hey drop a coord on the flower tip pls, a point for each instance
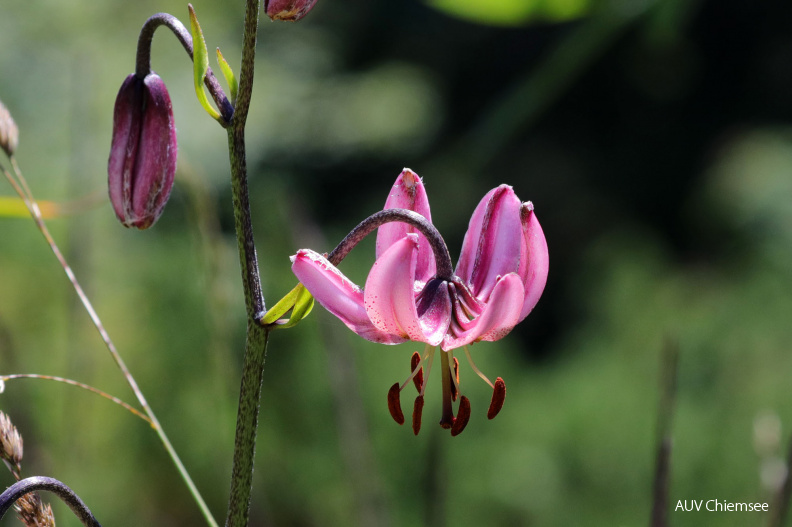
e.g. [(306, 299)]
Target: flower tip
[(410, 179), (528, 206)]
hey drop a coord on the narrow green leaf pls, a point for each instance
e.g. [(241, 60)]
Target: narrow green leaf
[(283, 306), (298, 300), (302, 307), (200, 64), (228, 74)]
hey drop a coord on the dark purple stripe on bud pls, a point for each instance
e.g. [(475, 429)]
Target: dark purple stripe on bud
[(143, 152)]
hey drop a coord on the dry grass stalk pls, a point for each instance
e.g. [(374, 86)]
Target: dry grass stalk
[(30, 509), (9, 134), (10, 445), (33, 512)]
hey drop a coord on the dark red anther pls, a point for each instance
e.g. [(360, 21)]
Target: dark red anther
[(463, 416), (394, 406), (455, 385), (418, 379), (498, 396), (417, 411)]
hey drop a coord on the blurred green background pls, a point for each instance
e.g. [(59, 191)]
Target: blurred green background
[(654, 138)]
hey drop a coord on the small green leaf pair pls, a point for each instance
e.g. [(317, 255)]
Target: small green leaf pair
[(201, 66), (299, 300)]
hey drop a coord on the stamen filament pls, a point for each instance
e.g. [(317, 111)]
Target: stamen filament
[(475, 369), (430, 350), (454, 365), (428, 353)]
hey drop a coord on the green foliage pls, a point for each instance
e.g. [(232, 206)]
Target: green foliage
[(201, 65), (513, 12)]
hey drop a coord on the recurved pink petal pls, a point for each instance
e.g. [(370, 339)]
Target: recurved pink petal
[(492, 243), (337, 294), (534, 259), (500, 315), (390, 296), (408, 193)]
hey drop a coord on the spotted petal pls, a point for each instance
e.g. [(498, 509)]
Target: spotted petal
[(408, 193), (337, 294), (390, 296)]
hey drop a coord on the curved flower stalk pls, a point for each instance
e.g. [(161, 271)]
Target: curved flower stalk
[(24, 487), (498, 280)]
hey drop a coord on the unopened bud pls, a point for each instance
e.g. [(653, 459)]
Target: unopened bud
[(290, 10), (9, 133), (143, 152)]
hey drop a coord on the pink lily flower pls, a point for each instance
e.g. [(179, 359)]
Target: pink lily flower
[(498, 280)]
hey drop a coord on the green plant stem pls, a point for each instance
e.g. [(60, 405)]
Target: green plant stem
[(257, 336), (247, 424)]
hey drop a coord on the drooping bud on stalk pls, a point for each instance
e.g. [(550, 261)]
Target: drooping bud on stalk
[(9, 134), (290, 10), (143, 152)]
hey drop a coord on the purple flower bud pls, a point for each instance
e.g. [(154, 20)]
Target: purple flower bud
[(291, 10), (143, 153)]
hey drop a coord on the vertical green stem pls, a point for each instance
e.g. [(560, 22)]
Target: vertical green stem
[(247, 424), (257, 336)]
